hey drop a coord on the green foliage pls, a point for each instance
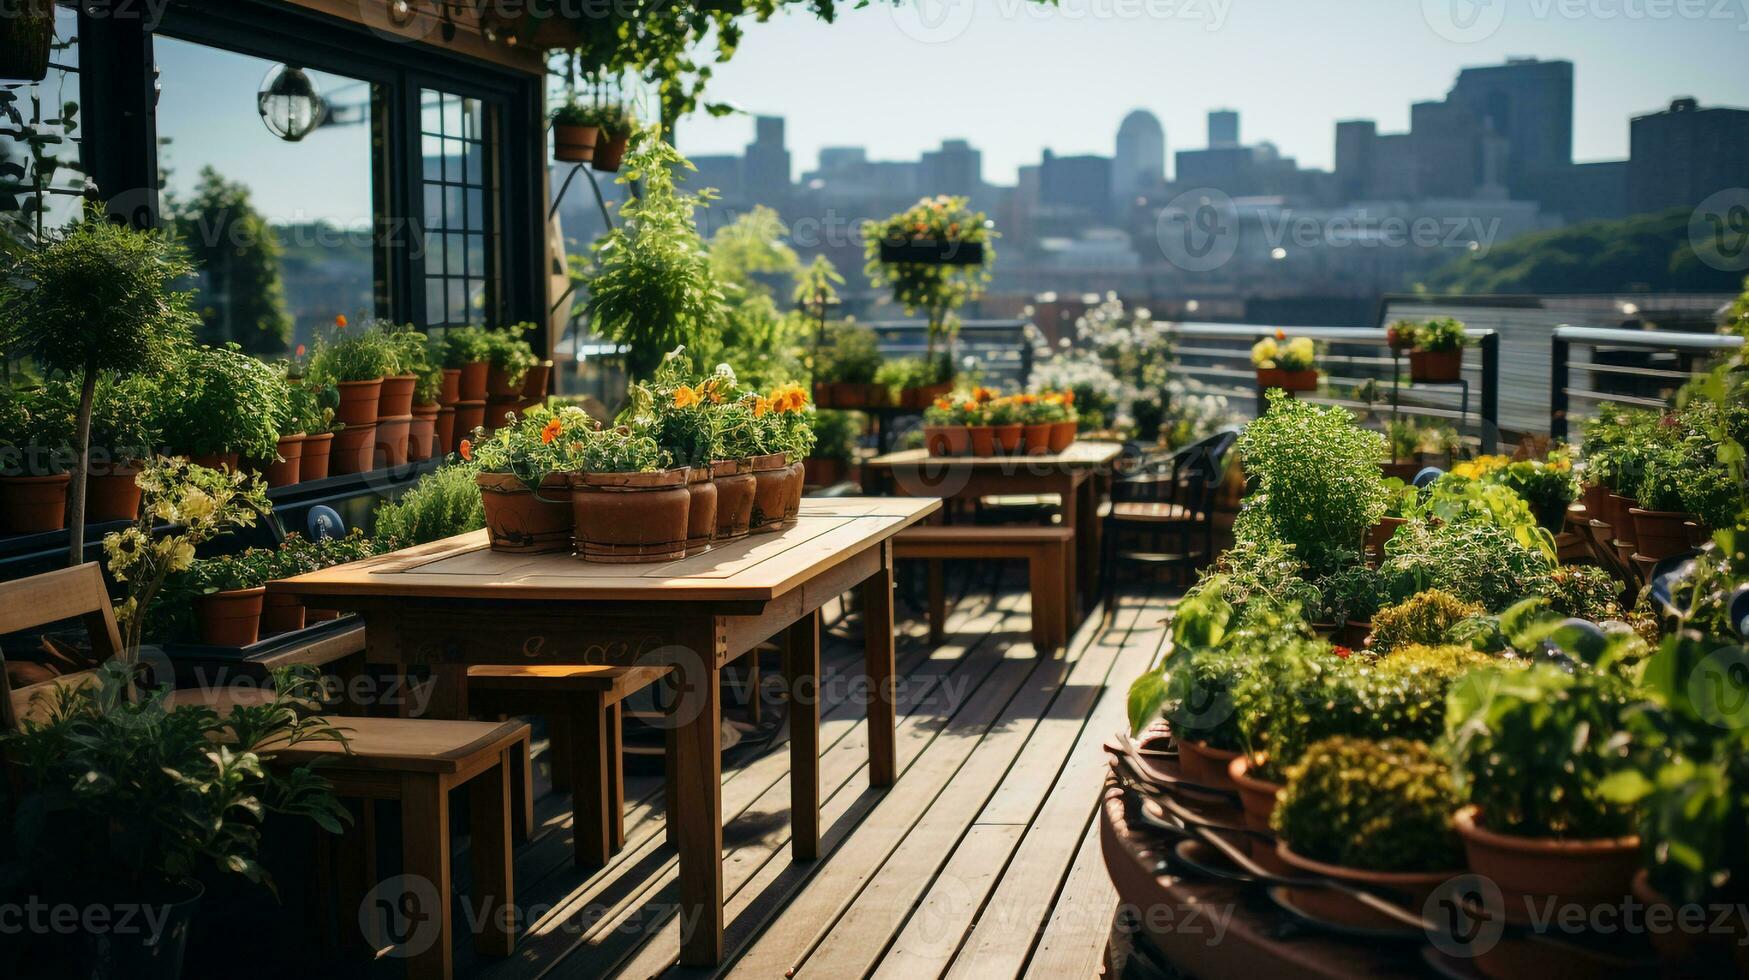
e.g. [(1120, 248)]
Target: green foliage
[(133, 793), (444, 503), (221, 400), (653, 288), (470, 344), (1423, 618), (1459, 499), (1261, 577), (1409, 437), (750, 246), (573, 113), (676, 409), (1317, 479), (1548, 488), (1353, 593), (354, 354), (1435, 335), (509, 352), (836, 434), (1614, 445), (1475, 561), (1533, 747), (237, 255), (542, 442), (816, 287), (1375, 805), (1584, 591), (850, 353), (36, 432), (623, 449), (935, 289), (409, 348), (914, 372)]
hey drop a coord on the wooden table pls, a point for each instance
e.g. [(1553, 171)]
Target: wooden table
[(1079, 476), (454, 603)]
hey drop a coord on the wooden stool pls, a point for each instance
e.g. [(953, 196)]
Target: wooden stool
[(1046, 550)]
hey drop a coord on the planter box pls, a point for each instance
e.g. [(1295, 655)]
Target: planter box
[(1287, 380), (932, 252)]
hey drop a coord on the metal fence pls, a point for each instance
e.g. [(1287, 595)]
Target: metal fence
[(997, 351), (1642, 368)]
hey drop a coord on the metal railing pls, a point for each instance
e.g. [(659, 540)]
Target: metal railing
[(996, 349), (1216, 359), (1641, 368)]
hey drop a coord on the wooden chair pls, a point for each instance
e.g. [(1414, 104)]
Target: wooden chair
[(1166, 508), (412, 761), (1045, 550)]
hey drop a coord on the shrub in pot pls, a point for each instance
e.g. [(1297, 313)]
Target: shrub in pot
[(1290, 365), (934, 256), (779, 417), (466, 350), (521, 470), (1436, 348), (35, 455), (409, 351), (631, 505), (133, 801), (1375, 814), (355, 361), (422, 435), (1661, 520), (227, 593), (574, 132), (123, 432), (312, 414), (508, 362), (227, 406), (1423, 618), (1548, 487), (845, 364), (441, 504), (1058, 408)]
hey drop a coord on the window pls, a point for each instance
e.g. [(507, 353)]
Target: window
[(458, 149)]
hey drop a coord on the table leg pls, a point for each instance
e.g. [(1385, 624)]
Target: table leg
[(1069, 492), (877, 647), (589, 789), (448, 693), (616, 777), (801, 675), (489, 812), (699, 801), (1087, 538), (425, 856)]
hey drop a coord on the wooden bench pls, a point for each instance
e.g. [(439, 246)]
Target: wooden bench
[(1046, 550)]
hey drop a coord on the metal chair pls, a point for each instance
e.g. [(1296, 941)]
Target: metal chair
[(1166, 508)]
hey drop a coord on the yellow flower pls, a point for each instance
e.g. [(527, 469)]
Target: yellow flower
[(760, 407), (685, 397)]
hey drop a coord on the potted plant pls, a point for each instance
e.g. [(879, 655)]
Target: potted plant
[(676, 410), (1290, 365), (422, 440), (740, 438), (616, 124), (913, 382), (355, 362), (944, 428), (574, 132), (979, 432), (35, 455), (1548, 487), (771, 469), (227, 407), (1004, 418), (834, 454), (1436, 352), (1036, 418), (522, 473), (467, 351), (1059, 407), (1376, 814), (845, 364), (227, 593), (507, 369), (284, 612), (1424, 618), (92, 300), (26, 36), (124, 432), (312, 414), (935, 255), (794, 436), (631, 505)]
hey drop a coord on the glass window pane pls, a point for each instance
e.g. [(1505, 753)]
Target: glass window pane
[(455, 254), (433, 206), (459, 312), (455, 217), (432, 149), (476, 255), (433, 254), (434, 295)]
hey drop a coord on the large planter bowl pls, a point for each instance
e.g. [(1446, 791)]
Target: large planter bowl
[(521, 521), (1660, 534), (574, 144), (701, 513), (1257, 799), (231, 618), (1008, 437), (736, 488), (626, 518), (1037, 439), (770, 494), (1306, 380), (983, 439), (317, 451), (471, 385), (358, 402), (1584, 873), (1438, 366), (1328, 905), (33, 504), (113, 495), (1062, 435), (792, 501), (1206, 765), (287, 468), (396, 398)]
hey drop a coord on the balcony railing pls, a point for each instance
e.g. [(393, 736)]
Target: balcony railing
[(1641, 368)]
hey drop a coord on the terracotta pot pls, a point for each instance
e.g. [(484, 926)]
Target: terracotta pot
[(1586, 873), (1062, 436), (924, 396), (1038, 439), (959, 440), (625, 518), (445, 431), (391, 441), (1378, 534), (935, 440), (231, 618), (1288, 380), (1621, 516), (1206, 765), (1437, 366), (422, 433), (498, 386), (471, 386), (1257, 799), (287, 469), (983, 440), (1412, 889), (33, 504), (358, 402), (736, 489), (501, 411), (314, 464), (1661, 533), (469, 415), (574, 144), (610, 149), (396, 398), (771, 477), (701, 512), (353, 449), (1595, 497), (281, 612), (1008, 437), (113, 496), (520, 521), (451, 392), (792, 504), (534, 384)]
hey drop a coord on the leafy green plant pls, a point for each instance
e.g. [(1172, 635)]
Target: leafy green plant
[(1584, 591), (1423, 618), (1439, 334), (1475, 561), (1409, 437), (356, 354), (1376, 805), (1548, 487), (36, 433), (461, 346), (938, 290), (1259, 577), (678, 411), (623, 449), (1318, 485), (245, 569), (1615, 445), (836, 434), (542, 442), (224, 401), (1532, 749), (1353, 593), (573, 113), (1278, 352), (510, 353), (442, 504)]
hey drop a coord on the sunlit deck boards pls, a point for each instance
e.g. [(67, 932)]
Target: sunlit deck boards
[(978, 863)]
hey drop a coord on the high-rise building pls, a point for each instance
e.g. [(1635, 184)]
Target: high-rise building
[(1447, 141), (1139, 165), (1354, 149), (1686, 153), (765, 174), (955, 169), (1223, 129), (1076, 182), (1530, 103)]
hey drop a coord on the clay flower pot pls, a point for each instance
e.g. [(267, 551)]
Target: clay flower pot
[(472, 385), (610, 149), (736, 488), (391, 441), (935, 439), (1062, 436), (1661, 534), (520, 521), (1038, 439), (358, 402), (771, 492), (1288, 380), (288, 467), (623, 518), (445, 432), (1378, 534), (534, 384), (113, 495), (422, 434), (959, 440), (983, 440), (216, 461), (231, 618), (792, 504), (33, 504), (1257, 799), (501, 411), (396, 397), (498, 386), (469, 415), (353, 449), (1436, 365), (1595, 497), (701, 513), (574, 144), (314, 464), (1008, 437), (1412, 890), (1587, 873), (1206, 765), (451, 391), (281, 612), (1621, 516)]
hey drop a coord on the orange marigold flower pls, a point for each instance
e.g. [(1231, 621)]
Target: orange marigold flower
[(300, 351), (467, 450), (340, 320), (551, 432), (685, 397), (943, 404), (1280, 334)]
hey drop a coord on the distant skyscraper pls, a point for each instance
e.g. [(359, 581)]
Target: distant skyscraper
[(1354, 146), (1530, 103), (1223, 129), (1139, 165), (765, 168), (956, 169), (1076, 182), (1686, 153)]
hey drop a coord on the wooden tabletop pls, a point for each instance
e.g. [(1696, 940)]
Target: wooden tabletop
[(757, 568), (1079, 454)]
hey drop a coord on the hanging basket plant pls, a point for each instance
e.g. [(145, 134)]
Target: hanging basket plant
[(27, 33), (616, 123), (575, 131), (935, 255)]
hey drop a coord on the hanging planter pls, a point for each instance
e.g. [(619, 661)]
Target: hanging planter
[(932, 251), (27, 35), (1436, 366), (610, 152)]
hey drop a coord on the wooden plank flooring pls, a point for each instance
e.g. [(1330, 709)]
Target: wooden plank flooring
[(981, 862)]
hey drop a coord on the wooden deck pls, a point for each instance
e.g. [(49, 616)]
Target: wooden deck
[(983, 861)]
